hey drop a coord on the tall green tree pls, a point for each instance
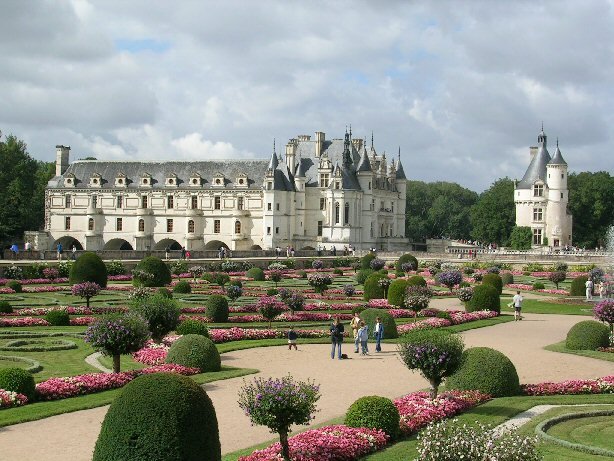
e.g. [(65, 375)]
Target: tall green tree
[(438, 209), (494, 215), (521, 238), (22, 187), (591, 202)]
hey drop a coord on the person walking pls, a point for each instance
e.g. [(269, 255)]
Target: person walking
[(363, 335), (336, 337), (589, 289), (166, 252), (73, 252), (517, 301), (59, 250), (292, 337), (183, 252), (14, 250), (355, 325), (379, 334)]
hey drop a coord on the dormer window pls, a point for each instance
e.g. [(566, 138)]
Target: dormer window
[(324, 179), (195, 180), (69, 180), (538, 190), (146, 180), (241, 180), (121, 180), (218, 180), (95, 180), (171, 180)]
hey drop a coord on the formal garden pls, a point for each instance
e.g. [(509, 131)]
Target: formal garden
[(84, 334)]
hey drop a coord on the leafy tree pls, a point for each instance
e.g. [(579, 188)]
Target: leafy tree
[(557, 277), (86, 290), (521, 238), (160, 312), (269, 307), (494, 215), (591, 202)]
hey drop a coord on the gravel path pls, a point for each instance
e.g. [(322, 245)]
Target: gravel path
[(341, 382)]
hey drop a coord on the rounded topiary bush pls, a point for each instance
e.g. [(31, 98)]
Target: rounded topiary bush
[(193, 327), (160, 417), (486, 370), (372, 288), (494, 280), (151, 272), (183, 287), (5, 307), (578, 286), (406, 258), (165, 292), (363, 275), (365, 261), (195, 351), (588, 335), (15, 286), (374, 412), (390, 326), (216, 308), (485, 297), (256, 273), (18, 380), (396, 292), (88, 268), (507, 278), (58, 317), (416, 280), (538, 286)]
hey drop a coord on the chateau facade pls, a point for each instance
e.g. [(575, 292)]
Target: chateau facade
[(542, 196), (325, 192)]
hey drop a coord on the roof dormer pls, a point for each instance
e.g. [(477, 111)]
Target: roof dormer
[(171, 180), (70, 180), (196, 180), (218, 180), (95, 180), (121, 180), (241, 180), (146, 180)]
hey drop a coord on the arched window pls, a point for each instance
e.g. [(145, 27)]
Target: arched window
[(237, 227), (141, 225), (190, 226), (346, 213), (337, 213), (90, 224)]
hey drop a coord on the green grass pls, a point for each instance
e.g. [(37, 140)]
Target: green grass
[(597, 431), (560, 347), (536, 306), (40, 410)]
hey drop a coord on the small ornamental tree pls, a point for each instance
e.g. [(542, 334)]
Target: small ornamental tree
[(465, 294), (161, 314), (196, 271), (295, 301), (117, 334), (269, 307), (349, 290), (417, 298), (436, 353), (278, 404), (557, 277), (220, 278), (275, 276), (86, 290), (450, 278), (604, 311), (51, 273), (319, 282), (377, 264), (234, 292)]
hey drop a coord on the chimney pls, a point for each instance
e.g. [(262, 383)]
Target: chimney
[(290, 154), (533, 151), (319, 143), (357, 143), (61, 159)]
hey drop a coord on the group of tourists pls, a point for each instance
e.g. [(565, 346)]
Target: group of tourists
[(360, 331), (590, 289)]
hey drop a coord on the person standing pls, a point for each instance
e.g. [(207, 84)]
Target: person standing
[(292, 337), (517, 301), (14, 250), (60, 250), (166, 252), (73, 252), (355, 325), (589, 289), (28, 249), (336, 337), (363, 335), (183, 251), (379, 334)]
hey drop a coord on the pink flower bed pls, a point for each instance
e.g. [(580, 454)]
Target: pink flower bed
[(72, 310), (45, 289), (9, 399), (330, 443), (62, 388), (458, 317), (40, 322), (418, 410), (603, 385)]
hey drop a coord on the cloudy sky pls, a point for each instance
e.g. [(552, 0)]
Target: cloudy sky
[(461, 87)]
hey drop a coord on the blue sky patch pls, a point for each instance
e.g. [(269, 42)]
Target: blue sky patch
[(139, 46)]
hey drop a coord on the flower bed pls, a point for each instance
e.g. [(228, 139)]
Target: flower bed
[(72, 310), (329, 443), (458, 317), (9, 399), (525, 287), (61, 388), (603, 385), (41, 322)]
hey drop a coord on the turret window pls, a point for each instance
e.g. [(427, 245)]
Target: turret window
[(537, 236), (538, 214), (120, 201), (217, 203), (237, 227), (90, 224), (190, 226), (143, 201), (322, 204), (346, 213), (68, 201), (324, 179), (170, 201), (194, 202), (239, 203), (538, 190), (337, 213), (141, 225), (67, 223), (119, 224)]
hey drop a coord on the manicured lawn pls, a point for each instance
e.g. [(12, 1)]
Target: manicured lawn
[(560, 347), (537, 306)]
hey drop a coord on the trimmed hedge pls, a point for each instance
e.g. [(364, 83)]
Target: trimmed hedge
[(485, 297), (185, 428), (182, 287), (160, 273), (216, 308), (416, 280), (193, 327), (195, 351), (486, 370), (58, 318), (256, 273), (578, 286), (18, 380), (88, 268), (374, 412), (588, 335), (396, 292), (390, 326), (372, 289), (5, 307), (15, 286), (406, 258), (494, 280)]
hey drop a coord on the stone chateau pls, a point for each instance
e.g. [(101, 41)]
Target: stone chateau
[(325, 192)]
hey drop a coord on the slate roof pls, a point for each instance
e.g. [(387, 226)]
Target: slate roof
[(306, 153), (558, 157)]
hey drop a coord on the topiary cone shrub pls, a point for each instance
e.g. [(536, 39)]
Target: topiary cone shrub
[(406, 258), (374, 412), (396, 292), (390, 326), (151, 272), (195, 351), (88, 268), (494, 280), (578, 286), (486, 370), (485, 297), (160, 417), (588, 335), (18, 380), (216, 308), (372, 289)]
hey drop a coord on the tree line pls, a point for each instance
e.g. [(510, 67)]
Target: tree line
[(433, 209)]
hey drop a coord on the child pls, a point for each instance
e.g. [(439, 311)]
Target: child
[(292, 336), (363, 336)]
